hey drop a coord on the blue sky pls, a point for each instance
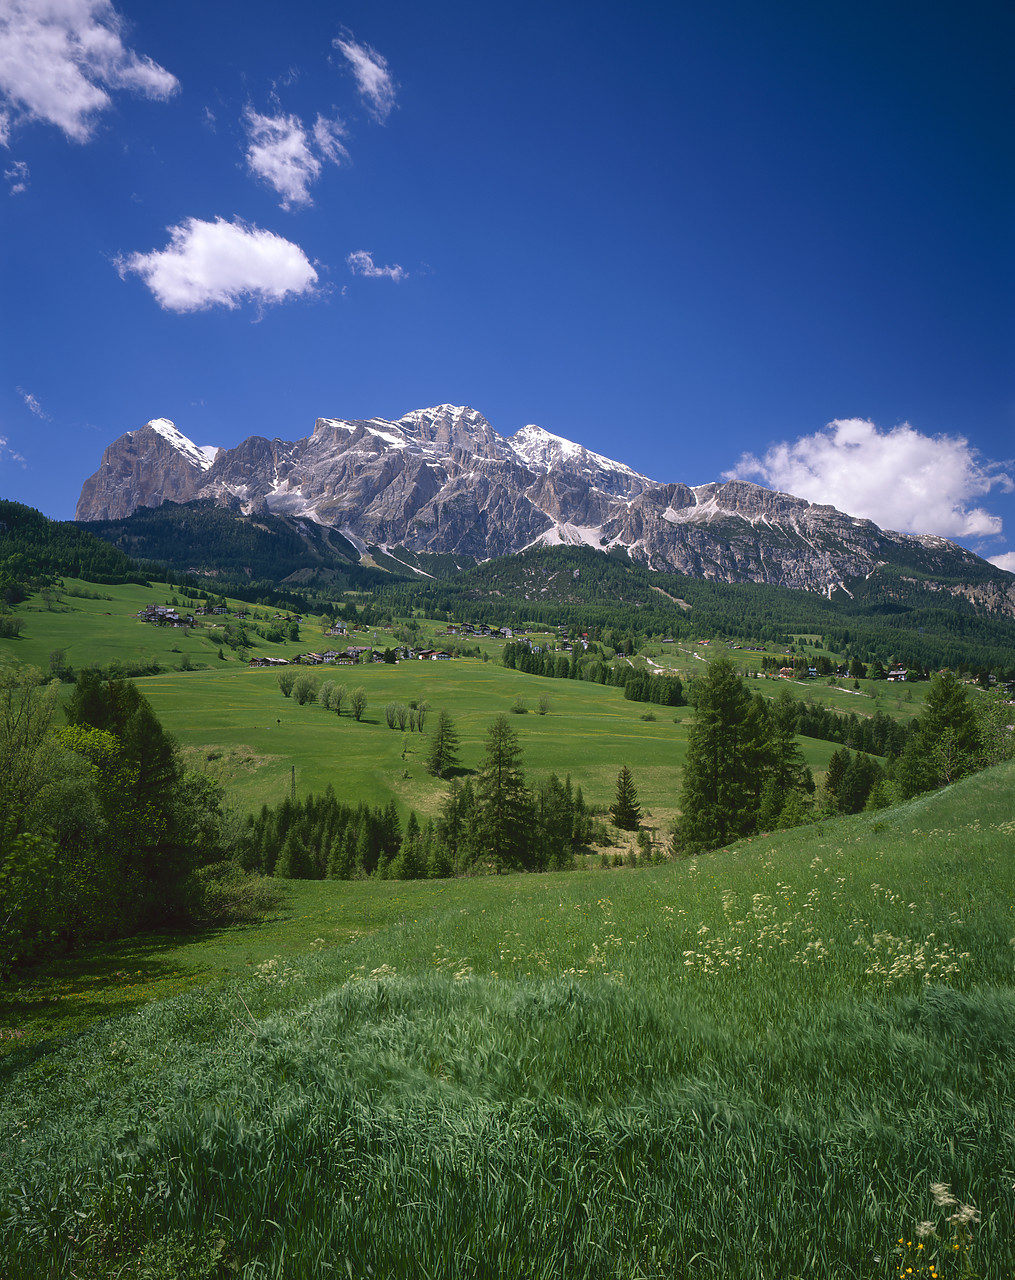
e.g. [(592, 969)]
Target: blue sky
[(765, 240)]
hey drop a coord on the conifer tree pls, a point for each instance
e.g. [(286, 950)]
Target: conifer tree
[(502, 802), (456, 827), (442, 754), (720, 796), (409, 864), (625, 810), (294, 861), (554, 812)]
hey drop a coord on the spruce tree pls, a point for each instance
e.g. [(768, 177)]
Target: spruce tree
[(625, 810), (294, 862), (502, 802), (554, 825), (409, 864), (721, 791), (442, 754)]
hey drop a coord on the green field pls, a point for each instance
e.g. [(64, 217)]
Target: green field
[(750, 1064), (235, 724), (100, 626), (589, 731)]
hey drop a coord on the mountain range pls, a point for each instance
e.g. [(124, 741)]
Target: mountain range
[(442, 480)]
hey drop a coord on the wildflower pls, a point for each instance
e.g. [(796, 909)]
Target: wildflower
[(942, 1194), (925, 1229), (966, 1215)]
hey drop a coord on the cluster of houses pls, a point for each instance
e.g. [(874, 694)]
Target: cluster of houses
[(482, 631), (166, 615), (162, 615), (350, 657)]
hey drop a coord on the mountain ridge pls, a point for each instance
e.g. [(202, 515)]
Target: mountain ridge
[(442, 480)]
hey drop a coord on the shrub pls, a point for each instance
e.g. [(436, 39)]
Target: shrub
[(228, 895)]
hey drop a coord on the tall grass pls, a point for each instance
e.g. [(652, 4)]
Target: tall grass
[(754, 1064)]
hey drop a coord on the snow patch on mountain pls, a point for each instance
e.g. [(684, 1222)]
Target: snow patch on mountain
[(202, 456), (541, 449), (396, 441)]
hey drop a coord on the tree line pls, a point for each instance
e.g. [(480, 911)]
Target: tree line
[(743, 772), (492, 822), (34, 551), (639, 685)]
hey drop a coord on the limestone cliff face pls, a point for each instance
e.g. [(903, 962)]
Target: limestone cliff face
[(443, 480), (142, 469)]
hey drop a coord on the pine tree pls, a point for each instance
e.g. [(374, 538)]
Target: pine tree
[(625, 810), (554, 812), (442, 754), (294, 861), (502, 802), (409, 864), (721, 791)]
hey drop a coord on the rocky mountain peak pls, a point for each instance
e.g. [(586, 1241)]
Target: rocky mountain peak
[(450, 426), (441, 479), (199, 456)]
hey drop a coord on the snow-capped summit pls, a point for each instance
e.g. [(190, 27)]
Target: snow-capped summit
[(443, 480), (542, 450), (200, 455)]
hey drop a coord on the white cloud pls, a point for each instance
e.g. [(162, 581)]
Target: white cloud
[(59, 57), (328, 135), (282, 154), (17, 176), (900, 478), (373, 79), (6, 452), (33, 404), (1005, 561), (218, 264), (361, 263)]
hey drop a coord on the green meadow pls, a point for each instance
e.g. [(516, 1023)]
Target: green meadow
[(235, 724), (96, 625), (239, 724), (755, 1063)]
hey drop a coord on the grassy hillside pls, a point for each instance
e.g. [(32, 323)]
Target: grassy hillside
[(235, 724), (588, 729), (96, 625), (752, 1064)]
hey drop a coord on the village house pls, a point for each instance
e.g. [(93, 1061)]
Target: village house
[(163, 615)]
